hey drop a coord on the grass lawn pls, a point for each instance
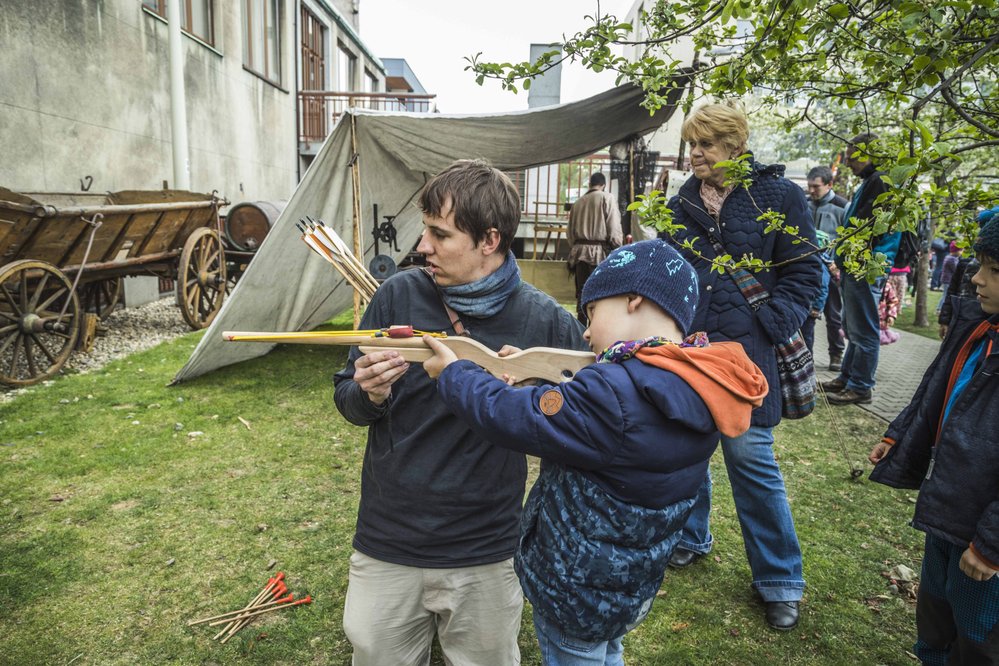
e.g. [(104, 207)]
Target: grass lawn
[(906, 319), (118, 525)]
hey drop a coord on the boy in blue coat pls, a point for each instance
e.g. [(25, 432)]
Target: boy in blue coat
[(946, 444), (624, 448)]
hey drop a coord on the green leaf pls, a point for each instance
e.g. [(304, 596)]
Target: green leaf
[(726, 15), (839, 11)]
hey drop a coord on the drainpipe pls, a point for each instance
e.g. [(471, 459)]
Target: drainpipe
[(296, 40), (178, 102)]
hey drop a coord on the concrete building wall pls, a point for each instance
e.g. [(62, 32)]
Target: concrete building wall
[(84, 90), (546, 90), (666, 139), (349, 9)]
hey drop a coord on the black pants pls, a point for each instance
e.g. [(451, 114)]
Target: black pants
[(582, 272), (833, 313)]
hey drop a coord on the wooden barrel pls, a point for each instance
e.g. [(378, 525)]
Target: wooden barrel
[(247, 223)]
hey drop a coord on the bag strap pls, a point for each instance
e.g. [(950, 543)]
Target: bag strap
[(752, 290), (452, 316)]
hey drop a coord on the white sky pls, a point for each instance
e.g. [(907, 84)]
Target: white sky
[(434, 36)]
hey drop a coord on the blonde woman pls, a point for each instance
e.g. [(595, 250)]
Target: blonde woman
[(715, 213)]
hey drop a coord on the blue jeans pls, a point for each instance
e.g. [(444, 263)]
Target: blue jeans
[(939, 256), (957, 617), (557, 649), (863, 330), (764, 516)]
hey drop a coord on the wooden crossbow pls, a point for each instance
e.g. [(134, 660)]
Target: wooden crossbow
[(544, 363)]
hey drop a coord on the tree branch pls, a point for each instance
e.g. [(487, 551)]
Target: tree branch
[(946, 93), (979, 54)]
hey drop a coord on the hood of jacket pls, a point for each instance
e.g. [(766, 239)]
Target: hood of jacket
[(724, 377)]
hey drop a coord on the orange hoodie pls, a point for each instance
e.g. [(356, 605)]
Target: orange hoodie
[(729, 383)]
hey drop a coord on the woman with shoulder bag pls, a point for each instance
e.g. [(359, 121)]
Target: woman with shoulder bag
[(723, 218)]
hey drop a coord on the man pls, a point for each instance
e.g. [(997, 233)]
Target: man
[(439, 511), (594, 230), (939, 246), (827, 213), (856, 380)]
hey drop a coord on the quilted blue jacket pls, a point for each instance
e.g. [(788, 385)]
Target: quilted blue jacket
[(722, 310), (623, 455)]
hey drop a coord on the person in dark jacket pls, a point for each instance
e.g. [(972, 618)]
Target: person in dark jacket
[(624, 447), (855, 383), (961, 288), (939, 249), (707, 208), (827, 209), (946, 444), (439, 508)]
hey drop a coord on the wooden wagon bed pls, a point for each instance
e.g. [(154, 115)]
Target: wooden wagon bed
[(62, 257)]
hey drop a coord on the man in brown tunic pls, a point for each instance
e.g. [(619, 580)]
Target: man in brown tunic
[(594, 230)]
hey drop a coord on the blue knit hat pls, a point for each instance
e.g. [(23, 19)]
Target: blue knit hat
[(988, 239), (649, 268), (987, 215)]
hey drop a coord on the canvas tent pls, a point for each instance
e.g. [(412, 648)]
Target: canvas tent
[(288, 288)]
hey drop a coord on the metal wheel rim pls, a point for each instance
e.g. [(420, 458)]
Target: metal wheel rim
[(36, 291), (201, 278)]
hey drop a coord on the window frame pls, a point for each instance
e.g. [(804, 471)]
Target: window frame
[(309, 56), (344, 51), (370, 80), (248, 34), (159, 8)]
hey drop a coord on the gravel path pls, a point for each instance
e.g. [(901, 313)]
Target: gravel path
[(126, 331)]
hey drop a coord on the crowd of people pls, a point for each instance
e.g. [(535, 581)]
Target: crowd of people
[(684, 363)]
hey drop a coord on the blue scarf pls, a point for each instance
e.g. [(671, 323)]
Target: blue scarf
[(486, 296)]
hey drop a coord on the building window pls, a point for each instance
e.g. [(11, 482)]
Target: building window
[(346, 68), (370, 82), (261, 39), (313, 52), (196, 17)]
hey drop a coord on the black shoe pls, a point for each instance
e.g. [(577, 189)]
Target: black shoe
[(849, 397), (835, 363), (683, 558), (833, 385), (782, 615)]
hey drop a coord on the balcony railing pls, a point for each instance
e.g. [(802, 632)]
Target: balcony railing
[(319, 109)]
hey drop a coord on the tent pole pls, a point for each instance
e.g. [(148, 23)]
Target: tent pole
[(355, 177), (631, 183)]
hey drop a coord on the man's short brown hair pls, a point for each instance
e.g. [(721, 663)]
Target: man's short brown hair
[(482, 198)]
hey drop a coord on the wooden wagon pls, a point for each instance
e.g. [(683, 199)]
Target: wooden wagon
[(63, 256)]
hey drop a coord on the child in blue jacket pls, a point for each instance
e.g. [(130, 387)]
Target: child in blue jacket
[(946, 444), (624, 447)]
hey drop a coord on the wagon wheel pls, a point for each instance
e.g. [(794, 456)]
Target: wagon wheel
[(233, 271), (201, 278), (34, 340), (101, 297)]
